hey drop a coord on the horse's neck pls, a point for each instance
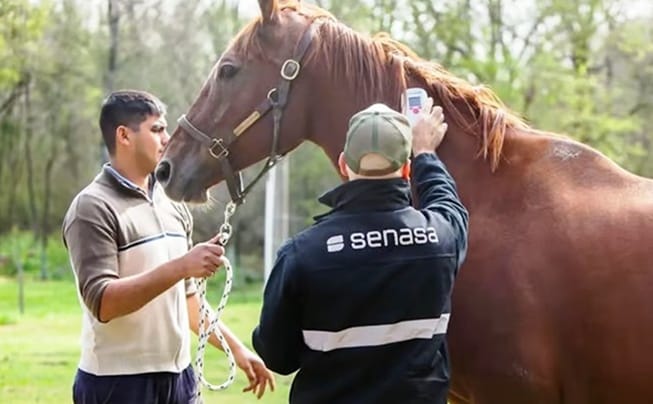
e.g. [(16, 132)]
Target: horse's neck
[(328, 123), (472, 173)]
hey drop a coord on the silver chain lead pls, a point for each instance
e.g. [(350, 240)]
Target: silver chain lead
[(205, 331)]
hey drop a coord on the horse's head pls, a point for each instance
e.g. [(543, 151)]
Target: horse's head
[(255, 91)]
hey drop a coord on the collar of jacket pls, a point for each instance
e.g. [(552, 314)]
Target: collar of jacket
[(367, 196)]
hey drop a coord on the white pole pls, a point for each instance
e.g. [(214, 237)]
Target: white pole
[(268, 254), (276, 213)]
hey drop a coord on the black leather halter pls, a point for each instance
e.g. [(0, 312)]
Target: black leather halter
[(276, 100)]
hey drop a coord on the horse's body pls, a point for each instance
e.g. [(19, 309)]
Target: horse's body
[(554, 303)]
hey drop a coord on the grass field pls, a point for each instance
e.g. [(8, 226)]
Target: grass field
[(39, 349)]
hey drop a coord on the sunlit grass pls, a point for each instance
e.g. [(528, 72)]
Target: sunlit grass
[(39, 350)]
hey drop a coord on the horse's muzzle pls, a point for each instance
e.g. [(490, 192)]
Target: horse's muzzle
[(162, 172)]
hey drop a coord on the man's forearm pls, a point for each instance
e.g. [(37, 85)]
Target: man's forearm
[(126, 295), (193, 318), (233, 341), (436, 190)]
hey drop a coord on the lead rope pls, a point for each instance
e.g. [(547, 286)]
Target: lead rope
[(205, 331)]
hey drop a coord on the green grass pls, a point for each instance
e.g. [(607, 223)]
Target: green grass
[(39, 349)]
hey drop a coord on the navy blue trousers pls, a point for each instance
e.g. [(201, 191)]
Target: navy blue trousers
[(146, 388)]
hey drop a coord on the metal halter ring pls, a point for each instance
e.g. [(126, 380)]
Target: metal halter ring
[(270, 94), (218, 143), (294, 67)]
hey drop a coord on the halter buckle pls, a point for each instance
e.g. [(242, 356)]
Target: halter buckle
[(290, 69), (223, 152)]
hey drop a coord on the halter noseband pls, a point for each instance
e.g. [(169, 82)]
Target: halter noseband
[(275, 100)]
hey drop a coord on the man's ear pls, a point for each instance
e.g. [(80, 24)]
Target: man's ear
[(405, 170), (342, 166), (123, 135)]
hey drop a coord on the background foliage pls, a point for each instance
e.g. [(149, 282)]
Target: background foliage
[(580, 67)]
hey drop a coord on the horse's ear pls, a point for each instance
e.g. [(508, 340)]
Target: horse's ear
[(269, 10)]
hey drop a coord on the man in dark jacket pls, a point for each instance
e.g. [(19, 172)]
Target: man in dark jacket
[(359, 302)]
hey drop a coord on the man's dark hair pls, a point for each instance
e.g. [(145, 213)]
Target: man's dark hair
[(127, 108)]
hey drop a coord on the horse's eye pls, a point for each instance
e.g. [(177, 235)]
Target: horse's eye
[(227, 71)]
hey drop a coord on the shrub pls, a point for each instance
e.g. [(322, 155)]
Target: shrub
[(19, 247)]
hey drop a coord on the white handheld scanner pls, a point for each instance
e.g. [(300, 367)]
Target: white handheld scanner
[(414, 101)]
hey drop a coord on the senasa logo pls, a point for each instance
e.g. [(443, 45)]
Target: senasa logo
[(384, 238), (335, 243)]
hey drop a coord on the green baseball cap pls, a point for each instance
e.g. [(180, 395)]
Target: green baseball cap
[(382, 130)]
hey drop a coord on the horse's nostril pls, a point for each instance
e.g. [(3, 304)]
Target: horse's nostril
[(162, 172)]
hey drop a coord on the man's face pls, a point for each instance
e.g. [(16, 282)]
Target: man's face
[(150, 141)]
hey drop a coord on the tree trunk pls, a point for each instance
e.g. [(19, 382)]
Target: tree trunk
[(45, 227), (29, 162), (113, 16)]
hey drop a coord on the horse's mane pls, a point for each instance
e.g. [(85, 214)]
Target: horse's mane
[(380, 65)]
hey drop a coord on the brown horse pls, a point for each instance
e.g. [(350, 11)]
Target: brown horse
[(555, 301)]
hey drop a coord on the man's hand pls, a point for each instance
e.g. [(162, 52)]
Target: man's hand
[(257, 374), (429, 129), (202, 260)]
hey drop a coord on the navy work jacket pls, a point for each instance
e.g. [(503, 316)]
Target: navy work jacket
[(360, 301)]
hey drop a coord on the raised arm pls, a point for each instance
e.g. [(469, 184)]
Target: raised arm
[(435, 187)]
